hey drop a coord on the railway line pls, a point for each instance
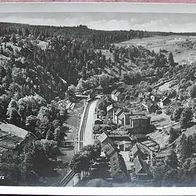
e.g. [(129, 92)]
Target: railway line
[(89, 107)]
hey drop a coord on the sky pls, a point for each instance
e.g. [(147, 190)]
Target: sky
[(167, 22)]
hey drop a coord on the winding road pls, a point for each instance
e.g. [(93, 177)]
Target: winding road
[(85, 137)]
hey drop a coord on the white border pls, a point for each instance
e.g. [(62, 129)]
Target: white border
[(97, 191), (97, 7)]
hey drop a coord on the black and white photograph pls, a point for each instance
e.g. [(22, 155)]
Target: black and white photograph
[(97, 99)]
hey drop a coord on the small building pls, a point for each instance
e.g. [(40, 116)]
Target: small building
[(13, 137), (164, 101), (115, 95), (118, 167), (150, 106), (141, 169), (110, 108), (141, 95), (116, 115), (99, 90)]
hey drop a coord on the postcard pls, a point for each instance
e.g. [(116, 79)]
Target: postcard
[(97, 95)]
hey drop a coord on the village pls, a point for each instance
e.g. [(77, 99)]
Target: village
[(131, 152)]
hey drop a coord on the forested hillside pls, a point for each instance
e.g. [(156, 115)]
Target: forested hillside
[(42, 68)]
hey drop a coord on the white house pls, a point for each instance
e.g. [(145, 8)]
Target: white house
[(115, 95)]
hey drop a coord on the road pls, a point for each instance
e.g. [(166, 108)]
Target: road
[(88, 132), (85, 137)]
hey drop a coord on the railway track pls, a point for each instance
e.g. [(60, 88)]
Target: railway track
[(67, 178), (80, 142)]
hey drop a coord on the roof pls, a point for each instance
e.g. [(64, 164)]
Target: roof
[(121, 116), (14, 130), (99, 87), (108, 149), (114, 91), (164, 98), (117, 94), (117, 165), (136, 115), (118, 112), (140, 117), (102, 137), (136, 150), (126, 157), (141, 166), (10, 136), (137, 164), (109, 107)]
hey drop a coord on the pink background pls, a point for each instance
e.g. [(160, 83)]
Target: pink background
[(150, 1)]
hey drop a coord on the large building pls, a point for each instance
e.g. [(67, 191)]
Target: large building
[(136, 122)]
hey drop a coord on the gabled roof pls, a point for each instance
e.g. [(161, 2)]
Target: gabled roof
[(118, 112), (117, 93), (121, 116), (108, 149), (13, 130), (140, 117), (114, 91), (99, 87), (137, 164), (136, 151), (10, 136), (102, 137), (141, 166), (109, 107)]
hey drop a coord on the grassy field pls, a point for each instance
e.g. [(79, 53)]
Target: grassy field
[(182, 47)]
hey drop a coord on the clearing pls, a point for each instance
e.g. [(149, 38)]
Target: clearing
[(182, 47)]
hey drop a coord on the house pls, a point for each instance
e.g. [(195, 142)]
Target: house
[(141, 95), (153, 98), (13, 137), (116, 115), (136, 151), (137, 121), (121, 118), (109, 108), (117, 164), (107, 145), (150, 106), (164, 101), (99, 90), (115, 95), (126, 155), (118, 167), (141, 169)]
